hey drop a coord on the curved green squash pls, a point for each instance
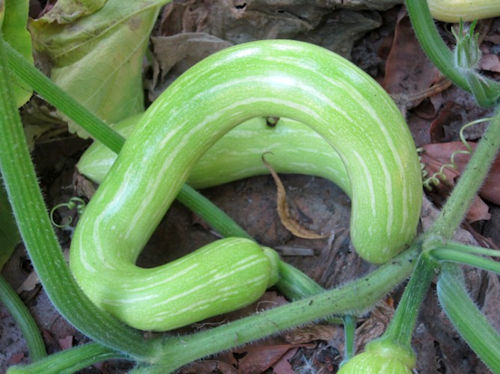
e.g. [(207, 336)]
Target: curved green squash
[(289, 79)]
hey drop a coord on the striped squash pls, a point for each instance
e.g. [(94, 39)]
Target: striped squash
[(466, 10), (289, 79)]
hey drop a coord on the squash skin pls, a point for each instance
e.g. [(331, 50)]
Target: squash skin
[(467, 10), (341, 103)]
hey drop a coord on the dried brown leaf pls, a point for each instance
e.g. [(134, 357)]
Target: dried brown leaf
[(283, 365), (66, 342), (311, 333), (490, 62), (207, 367), (29, 283), (262, 357), (408, 72), (435, 155), (375, 325), (284, 211)]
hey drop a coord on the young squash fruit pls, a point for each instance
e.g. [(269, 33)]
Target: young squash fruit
[(380, 358)]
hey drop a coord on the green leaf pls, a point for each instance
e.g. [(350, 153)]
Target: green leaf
[(98, 59), (13, 19), (9, 235)]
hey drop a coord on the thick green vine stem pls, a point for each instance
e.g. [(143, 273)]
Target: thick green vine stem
[(349, 336), (24, 320), (40, 240), (69, 360), (467, 319), (392, 352), (438, 52), (400, 330), (282, 78), (60, 99), (472, 249)]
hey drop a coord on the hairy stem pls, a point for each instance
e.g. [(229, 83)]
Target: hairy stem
[(355, 296), (349, 337), (472, 249), (400, 330), (24, 320), (69, 360), (452, 255), (467, 319)]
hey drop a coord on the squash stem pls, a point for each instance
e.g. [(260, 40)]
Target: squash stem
[(466, 317), (452, 255), (349, 336), (472, 249), (69, 360), (400, 330), (24, 320)]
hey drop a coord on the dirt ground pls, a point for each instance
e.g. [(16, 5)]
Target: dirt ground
[(379, 40)]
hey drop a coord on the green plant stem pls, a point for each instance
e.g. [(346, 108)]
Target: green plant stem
[(467, 319), (438, 52), (296, 285), (400, 330), (57, 97), (452, 255), (212, 214), (469, 183), (69, 360), (24, 320), (472, 249), (40, 240), (349, 337)]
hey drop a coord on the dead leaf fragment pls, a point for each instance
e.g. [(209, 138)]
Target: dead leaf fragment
[(283, 365), (490, 62), (262, 357), (375, 325), (284, 211), (408, 71), (29, 283), (66, 342), (311, 333), (209, 366)]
